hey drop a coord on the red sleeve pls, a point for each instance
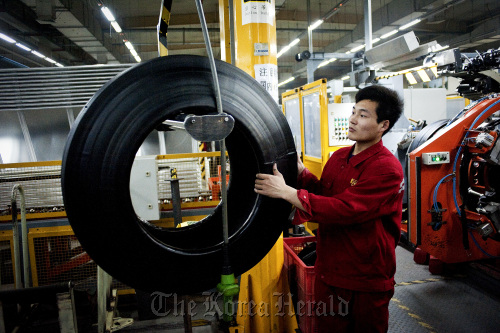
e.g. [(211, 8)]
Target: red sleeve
[(374, 195), (308, 181)]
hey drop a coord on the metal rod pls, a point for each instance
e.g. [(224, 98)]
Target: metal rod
[(174, 124), (368, 24), (309, 31), (232, 37), (24, 237), (219, 110)]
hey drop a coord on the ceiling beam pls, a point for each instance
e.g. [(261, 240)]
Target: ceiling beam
[(92, 21), (43, 37)]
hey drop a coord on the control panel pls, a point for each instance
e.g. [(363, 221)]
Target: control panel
[(338, 124), (441, 157)]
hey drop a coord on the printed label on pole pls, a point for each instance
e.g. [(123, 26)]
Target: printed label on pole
[(260, 49), (257, 11), (267, 76)]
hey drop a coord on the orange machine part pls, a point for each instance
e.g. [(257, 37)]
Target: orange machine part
[(446, 243)]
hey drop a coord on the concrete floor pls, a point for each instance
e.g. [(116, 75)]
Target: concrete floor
[(454, 303), (422, 303)]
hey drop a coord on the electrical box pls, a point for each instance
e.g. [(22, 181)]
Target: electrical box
[(338, 124), (436, 158)]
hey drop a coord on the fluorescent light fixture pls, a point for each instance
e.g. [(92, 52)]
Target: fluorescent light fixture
[(375, 40), (357, 48), (294, 42), (283, 50), (116, 26), (390, 33), (7, 38), (423, 75), (52, 61), (410, 78), (323, 63), (348, 52), (290, 79), (134, 52), (315, 24), (129, 45), (407, 25), (24, 47), (107, 13), (137, 58), (326, 62), (347, 77), (288, 47), (38, 54), (59, 65)]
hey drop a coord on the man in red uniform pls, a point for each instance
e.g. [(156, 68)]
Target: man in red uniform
[(357, 203)]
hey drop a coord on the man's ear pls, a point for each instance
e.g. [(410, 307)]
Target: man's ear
[(385, 125)]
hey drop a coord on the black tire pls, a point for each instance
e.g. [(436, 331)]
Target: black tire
[(101, 149), (426, 133)]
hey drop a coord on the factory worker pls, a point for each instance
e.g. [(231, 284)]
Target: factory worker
[(357, 204)]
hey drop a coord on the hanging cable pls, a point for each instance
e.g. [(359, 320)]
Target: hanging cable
[(481, 249)]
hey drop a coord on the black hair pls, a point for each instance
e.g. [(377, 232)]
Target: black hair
[(390, 105)]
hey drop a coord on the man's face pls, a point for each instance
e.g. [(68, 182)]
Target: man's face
[(363, 126)]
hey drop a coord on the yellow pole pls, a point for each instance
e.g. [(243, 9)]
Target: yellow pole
[(163, 26), (225, 34), (265, 286), (255, 34)]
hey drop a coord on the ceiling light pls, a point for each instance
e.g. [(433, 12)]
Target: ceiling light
[(288, 47), (347, 77), (315, 24), (323, 63), (290, 79), (375, 40), (407, 25), (134, 52), (107, 13), (129, 45), (59, 65), (52, 61), (38, 54), (393, 32), (283, 50), (326, 62), (357, 48), (410, 78), (24, 47), (116, 26), (7, 38), (137, 58)]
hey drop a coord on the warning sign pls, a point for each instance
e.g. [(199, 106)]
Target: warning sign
[(267, 76), (260, 11)]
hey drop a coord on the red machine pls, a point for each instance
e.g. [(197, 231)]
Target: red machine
[(454, 192)]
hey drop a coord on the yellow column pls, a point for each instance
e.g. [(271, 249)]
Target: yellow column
[(264, 288), (255, 41), (163, 27), (225, 35)]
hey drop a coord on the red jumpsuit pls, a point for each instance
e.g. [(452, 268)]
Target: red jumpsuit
[(358, 205)]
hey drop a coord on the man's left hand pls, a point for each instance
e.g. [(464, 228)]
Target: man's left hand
[(273, 186)]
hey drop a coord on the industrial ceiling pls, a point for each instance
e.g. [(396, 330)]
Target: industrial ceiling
[(75, 32)]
